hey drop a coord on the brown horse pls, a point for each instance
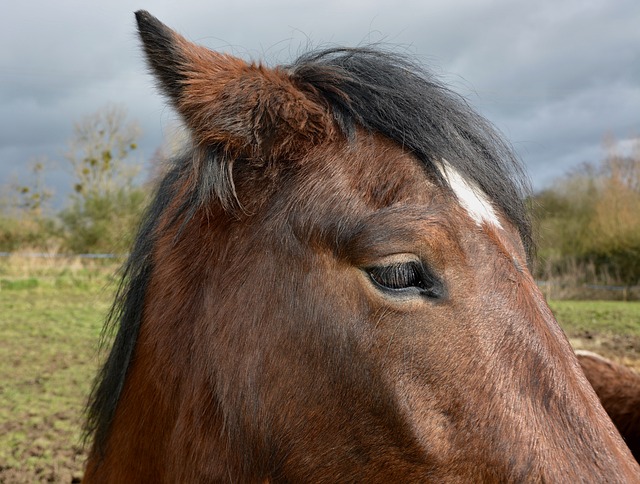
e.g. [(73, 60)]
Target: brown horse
[(618, 388), (331, 285)]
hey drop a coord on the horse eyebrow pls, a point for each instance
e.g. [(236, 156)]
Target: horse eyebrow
[(389, 231)]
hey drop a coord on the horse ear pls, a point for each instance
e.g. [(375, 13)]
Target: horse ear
[(247, 109)]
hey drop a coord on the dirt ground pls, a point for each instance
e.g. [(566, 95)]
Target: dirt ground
[(621, 349), (52, 456)]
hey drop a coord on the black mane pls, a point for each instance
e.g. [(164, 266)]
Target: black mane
[(125, 316), (388, 93), (379, 91)]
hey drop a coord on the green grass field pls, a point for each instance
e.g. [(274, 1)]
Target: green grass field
[(50, 322), (611, 328)]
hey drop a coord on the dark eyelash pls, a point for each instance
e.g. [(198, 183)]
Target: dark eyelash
[(397, 276), (403, 277)]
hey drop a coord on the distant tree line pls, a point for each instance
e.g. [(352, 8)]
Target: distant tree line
[(587, 222)]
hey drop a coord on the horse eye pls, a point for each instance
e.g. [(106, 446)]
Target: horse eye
[(403, 276)]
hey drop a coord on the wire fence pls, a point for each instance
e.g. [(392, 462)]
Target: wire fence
[(573, 290), (44, 255)]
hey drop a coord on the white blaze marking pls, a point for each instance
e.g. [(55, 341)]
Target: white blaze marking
[(472, 199)]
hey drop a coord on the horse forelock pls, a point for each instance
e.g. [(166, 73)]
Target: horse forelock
[(387, 93)]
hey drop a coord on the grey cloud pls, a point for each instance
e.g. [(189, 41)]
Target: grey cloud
[(553, 76)]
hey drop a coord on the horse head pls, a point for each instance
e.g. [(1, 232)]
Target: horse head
[(332, 285)]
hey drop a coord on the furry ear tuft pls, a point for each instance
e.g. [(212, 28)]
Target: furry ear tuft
[(246, 109)]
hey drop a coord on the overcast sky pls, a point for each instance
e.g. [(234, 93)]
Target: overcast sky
[(553, 76)]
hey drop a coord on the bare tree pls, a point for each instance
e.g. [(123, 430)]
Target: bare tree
[(106, 202), (100, 151), (34, 196)]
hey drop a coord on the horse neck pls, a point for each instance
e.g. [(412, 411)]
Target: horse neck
[(174, 433), (171, 439)]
